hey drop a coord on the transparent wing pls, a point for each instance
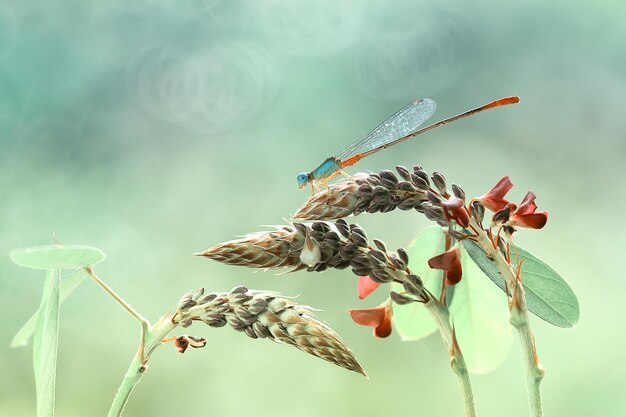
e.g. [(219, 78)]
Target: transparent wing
[(406, 121)]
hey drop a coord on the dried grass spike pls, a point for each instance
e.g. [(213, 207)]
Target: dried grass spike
[(267, 315), (336, 202), (272, 249)]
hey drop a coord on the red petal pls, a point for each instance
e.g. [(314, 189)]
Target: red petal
[(384, 329), (379, 318), (527, 205), (450, 262), (445, 260), (494, 199), (501, 188), (455, 208), (452, 203), (454, 277), (366, 286), (532, 220), (461, 216), (372, 317)]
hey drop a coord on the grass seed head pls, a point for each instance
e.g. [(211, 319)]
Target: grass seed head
[(267, 315)]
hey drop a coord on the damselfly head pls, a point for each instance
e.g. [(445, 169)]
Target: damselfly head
[(302, 178)]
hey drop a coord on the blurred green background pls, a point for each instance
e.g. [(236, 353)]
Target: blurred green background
[(153, 129)]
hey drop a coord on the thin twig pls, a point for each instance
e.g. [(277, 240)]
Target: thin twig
[(117, 298)]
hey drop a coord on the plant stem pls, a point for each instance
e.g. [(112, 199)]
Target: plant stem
[(131, 378), (534, 371), (441, 315), (117, 298), (151, 338), (518, 317), (460, 369)]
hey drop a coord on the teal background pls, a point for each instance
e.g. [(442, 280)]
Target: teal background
[(154, 129)]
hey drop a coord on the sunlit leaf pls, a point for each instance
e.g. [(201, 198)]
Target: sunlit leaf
[(412, 321), (67, 288), (57, 256), (45, 344), (479, 315), (547, 295)]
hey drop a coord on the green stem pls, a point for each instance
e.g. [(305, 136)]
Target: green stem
[(534, 371), (441, 315), (460, 369), (116, 297), (519, 320), (151, 338), (132, 377)]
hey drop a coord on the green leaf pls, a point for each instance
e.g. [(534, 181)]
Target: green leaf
[(57, 256), (547, 295), (45, 344), (412, 321), (67, 288), (477, 308), (478, 314)]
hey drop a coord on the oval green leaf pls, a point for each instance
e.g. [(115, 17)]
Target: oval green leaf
[(412, 321), (478, 314), (57, 256), (547, 294)]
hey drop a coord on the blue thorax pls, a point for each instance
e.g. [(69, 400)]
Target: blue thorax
[(326, 169)]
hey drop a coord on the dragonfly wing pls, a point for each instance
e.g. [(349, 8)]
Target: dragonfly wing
[(406, 121)]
